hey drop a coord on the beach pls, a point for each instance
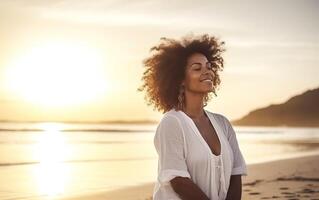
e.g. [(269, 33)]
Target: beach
[(290, 178), (119, 162)]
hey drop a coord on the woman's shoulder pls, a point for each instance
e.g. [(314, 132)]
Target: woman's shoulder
[(171, 118), (175, 114), (170, 125), (224, 123), (220, 118)]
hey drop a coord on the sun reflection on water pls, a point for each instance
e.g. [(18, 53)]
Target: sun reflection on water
[(52, 173)]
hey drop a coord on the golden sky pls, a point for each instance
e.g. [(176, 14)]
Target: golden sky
[(81, 59)]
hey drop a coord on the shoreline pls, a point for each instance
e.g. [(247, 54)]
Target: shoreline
[(295, 177)]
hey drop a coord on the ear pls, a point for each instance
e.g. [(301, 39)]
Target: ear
[(183, 83)]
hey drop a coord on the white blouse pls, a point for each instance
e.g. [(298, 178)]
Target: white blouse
[(182, 151)]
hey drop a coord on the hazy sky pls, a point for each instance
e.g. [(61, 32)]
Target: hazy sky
[(272, 53)]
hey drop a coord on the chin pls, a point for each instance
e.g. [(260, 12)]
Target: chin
[(201, 89), (205, 90)]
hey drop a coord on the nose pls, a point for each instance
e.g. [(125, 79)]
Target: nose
[(207, 71)]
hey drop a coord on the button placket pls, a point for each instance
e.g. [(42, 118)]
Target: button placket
[(218, 166), (218, 163)]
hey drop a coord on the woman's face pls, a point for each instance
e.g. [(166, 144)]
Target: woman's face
[(199, 74)]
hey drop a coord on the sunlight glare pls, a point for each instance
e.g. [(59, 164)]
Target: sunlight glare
[(58, 74)]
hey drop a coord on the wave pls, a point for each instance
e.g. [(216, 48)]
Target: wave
[(261, 131), (77, 130), (78, 142), (77, 161)]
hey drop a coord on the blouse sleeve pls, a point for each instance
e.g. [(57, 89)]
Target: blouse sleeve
[(169, 144), (239, 164)]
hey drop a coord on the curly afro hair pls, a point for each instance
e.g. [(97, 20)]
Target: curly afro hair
[(165, 68)]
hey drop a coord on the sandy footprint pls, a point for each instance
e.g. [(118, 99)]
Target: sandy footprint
[(253, 183), (254, 193)]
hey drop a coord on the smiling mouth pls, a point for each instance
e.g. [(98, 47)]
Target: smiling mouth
[(206, 80)]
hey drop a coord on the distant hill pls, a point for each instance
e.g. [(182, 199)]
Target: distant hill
[(300, 110)]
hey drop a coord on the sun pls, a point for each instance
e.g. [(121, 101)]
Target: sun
[(58, 74)]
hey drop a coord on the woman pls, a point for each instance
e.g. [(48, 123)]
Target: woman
[(199, 156)]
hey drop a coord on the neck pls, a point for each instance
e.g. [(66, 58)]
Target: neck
[(194, 104)]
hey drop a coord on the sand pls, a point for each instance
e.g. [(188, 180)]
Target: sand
[(293, 178)]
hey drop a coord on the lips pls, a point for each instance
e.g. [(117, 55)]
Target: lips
[(208, 79)]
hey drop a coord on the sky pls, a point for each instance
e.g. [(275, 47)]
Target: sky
[(81, 60)]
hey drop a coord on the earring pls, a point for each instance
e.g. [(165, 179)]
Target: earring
[(181, 98)]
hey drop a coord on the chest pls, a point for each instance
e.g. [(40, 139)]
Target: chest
[(208, 132)]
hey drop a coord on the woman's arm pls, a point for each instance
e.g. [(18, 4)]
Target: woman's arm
[(187, 189), (234, 190)]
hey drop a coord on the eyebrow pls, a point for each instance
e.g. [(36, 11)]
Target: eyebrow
[(199, 63)]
